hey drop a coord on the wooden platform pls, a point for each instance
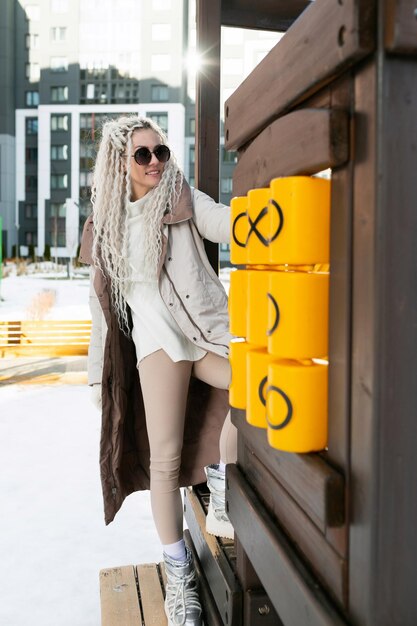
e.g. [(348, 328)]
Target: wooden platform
[(133, 595)]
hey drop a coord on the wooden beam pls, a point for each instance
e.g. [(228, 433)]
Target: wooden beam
[(306, 58), (220, 577), (265, 14), (382, 540), (316, 487), (326, 562), (401, 26), (292, 589), (207, 135), (302, 142)]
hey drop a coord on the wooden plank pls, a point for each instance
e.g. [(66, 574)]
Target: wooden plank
[(151, 595), (329, 567), (294, 593), (361, 558), (265, 15), (395, 539), (383, 542), (401, 26), (305, 59), (303, 142), (316, 487), (119, 598), (220, 577), (207, 127), (50, 351)]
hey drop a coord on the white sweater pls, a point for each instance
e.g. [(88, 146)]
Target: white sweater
[(154, 328)]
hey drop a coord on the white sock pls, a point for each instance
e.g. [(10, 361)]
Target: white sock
[(222, 467), (176, 550)]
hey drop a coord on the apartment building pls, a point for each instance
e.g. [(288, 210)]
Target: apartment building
[(65, 66)]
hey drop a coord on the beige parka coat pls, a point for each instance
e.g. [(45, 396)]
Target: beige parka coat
[(195, 297)]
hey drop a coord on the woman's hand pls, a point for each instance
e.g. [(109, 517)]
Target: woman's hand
[(95, 395)]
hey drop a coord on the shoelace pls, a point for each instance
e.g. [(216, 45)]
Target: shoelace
[(183, 596)]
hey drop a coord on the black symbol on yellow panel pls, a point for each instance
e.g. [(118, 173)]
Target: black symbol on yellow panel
[(277, 315), (288, 417), (254, 225)]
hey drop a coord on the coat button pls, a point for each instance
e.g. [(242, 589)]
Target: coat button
[(187, 296), (194, 338), (171, 304), (170, 258), (209, 331)]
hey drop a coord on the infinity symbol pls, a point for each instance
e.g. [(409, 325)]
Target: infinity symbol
[(266, 241), (261, 393)]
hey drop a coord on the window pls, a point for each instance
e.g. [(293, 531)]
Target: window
[(59, 64), (31, 125), (192, 155), (33, 12), (161, 32), (226, 185), (31, 155), (59, 238), (32, 41), (32, 98), (31, 182), (58, 33), (59, 152), (59, 122), (30, 211), (58, 209), (160, 62), (59, 181), (33, 72), (90, 91), (59, 94), (192, 126), (86, 179), (229, 156), (159, 93), (31, 239), (87, 153), (161, 119), (59, 6)]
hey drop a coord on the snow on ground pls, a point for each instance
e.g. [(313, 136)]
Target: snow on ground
[(53, 540), (18, 294)]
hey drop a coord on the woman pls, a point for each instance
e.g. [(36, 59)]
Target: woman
[(158, 356)]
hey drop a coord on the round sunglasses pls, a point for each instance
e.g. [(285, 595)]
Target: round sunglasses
[(143, 155)]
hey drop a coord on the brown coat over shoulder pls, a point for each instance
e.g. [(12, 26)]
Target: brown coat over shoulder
[(195, 297)]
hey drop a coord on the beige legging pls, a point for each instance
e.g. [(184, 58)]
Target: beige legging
[(165, 414)]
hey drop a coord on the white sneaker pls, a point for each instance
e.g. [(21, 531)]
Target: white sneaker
[(182, 604), (217, 520)]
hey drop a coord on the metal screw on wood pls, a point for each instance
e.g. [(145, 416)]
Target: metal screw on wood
[(264, 610)]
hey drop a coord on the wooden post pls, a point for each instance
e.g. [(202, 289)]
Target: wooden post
[(207, 137)]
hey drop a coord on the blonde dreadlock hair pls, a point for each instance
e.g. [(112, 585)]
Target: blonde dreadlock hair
[(111, 193)]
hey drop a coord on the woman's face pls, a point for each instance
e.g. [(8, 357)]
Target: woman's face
[(145, 177)]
